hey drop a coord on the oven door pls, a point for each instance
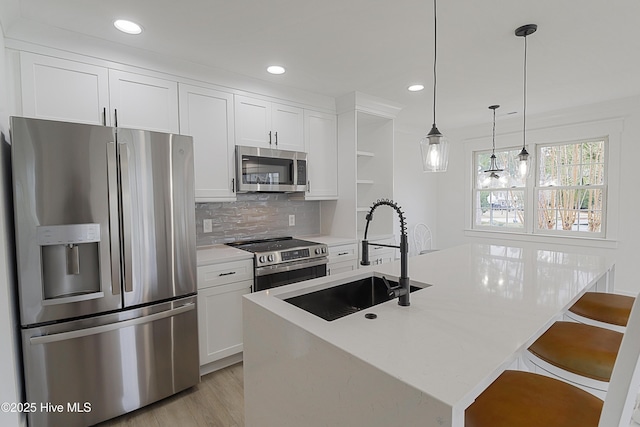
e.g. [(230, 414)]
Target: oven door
[(291, 272)]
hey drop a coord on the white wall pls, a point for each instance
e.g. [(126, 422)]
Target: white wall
[(10, 380), (414, 190), (452, 216)]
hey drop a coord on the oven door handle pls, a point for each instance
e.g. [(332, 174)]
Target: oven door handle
[(291, 266)]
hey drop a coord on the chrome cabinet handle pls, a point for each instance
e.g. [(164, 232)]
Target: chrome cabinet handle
[(343, 253), (269, 137), (226, 274), (276, 138), (233, 185), (104, 116)]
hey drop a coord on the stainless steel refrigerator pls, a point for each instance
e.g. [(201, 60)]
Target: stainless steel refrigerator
[(106, 261)]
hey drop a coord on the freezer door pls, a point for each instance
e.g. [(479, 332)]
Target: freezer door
[(88, 371), (158, 215), (65, 211)]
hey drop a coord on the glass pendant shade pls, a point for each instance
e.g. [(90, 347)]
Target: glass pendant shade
[(435, 151), (524, 163)]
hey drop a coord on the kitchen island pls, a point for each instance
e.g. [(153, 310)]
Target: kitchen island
[(420, 365)]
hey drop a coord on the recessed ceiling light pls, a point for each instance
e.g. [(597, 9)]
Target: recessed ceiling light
[(127, 26), (275, 69), (415, 88)]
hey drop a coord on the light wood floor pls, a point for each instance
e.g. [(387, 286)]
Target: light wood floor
[(218, 401)]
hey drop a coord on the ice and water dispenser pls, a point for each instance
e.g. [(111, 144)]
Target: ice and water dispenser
[(70, 262)]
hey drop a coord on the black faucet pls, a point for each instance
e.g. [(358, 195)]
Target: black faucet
[(402, 290)]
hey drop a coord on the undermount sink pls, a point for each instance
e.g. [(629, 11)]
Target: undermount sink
[(342, 300)]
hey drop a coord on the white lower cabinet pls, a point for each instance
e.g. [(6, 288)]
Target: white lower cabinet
[(220, 308), (342, 258)]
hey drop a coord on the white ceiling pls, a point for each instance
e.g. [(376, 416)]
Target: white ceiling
[(585, 51)]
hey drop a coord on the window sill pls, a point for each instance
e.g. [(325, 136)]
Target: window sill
[(541, 238)]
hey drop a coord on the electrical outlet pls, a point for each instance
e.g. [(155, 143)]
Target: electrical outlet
[(207, 226), (292, 220)]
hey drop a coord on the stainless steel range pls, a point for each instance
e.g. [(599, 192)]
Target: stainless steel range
[(284, 260)]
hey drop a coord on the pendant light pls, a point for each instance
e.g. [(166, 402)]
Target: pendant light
[(524, 158), (434, 147), (493, 170)]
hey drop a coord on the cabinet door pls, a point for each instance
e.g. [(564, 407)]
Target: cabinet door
[(58, 89), (220, 320), (143, 102), (334, 268), (287, 127), (321, 144), (253, 122), (207, 115)]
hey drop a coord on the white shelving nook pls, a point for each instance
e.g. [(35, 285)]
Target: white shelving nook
[(365, 162)]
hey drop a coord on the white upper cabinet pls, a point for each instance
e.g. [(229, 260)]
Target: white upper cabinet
[(61, 89), (58, 89), (207, 115), (287, 125), (260, 123), (143, 102), (321, 144)]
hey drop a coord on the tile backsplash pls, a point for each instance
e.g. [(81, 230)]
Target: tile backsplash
[(256, 216)]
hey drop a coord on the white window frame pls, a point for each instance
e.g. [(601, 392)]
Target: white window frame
[(577, 130), (477, 189), (537, 188)]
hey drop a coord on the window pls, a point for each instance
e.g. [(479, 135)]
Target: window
[(570, 190), (499, 201), (567, 195)]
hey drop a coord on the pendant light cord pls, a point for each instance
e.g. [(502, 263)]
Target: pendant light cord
[(494, 131), (524, 109), (435, 57)]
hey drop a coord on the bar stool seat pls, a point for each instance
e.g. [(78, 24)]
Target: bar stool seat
[(524, 399), (604, 307), (581, 349)]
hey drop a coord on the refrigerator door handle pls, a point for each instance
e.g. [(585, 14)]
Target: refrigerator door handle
[(46, 339), (114, 231), (126, 216)]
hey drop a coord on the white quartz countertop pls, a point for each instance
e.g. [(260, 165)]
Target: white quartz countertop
[(220, 253), (330, 240), (486, 304)]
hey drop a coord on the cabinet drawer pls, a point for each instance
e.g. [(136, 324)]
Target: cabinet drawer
[(343, 252), (225, 273)]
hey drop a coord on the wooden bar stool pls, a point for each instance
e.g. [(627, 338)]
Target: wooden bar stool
[(578, 353), (602, 309), (525, 399)]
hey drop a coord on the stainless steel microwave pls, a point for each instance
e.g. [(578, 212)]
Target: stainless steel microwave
[(270, 170)]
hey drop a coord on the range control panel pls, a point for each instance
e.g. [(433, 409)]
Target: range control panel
[(296, 254)]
